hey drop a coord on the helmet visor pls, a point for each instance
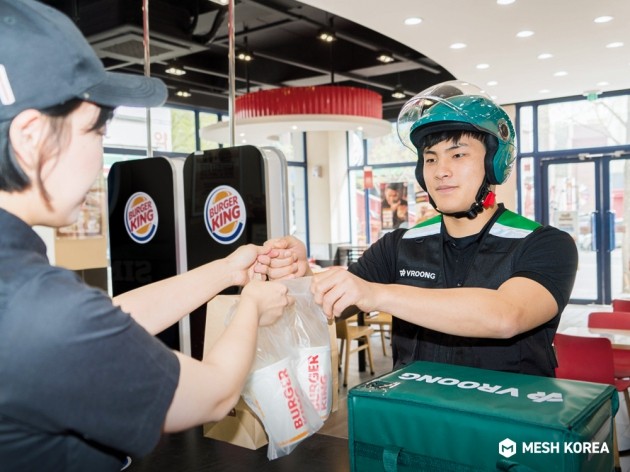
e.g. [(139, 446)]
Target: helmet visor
[(418, 106)]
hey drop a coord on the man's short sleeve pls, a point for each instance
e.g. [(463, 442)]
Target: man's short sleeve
[(378, 262), (549, 257)]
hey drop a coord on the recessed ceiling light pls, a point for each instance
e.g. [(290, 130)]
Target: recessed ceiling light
[(524, 34), (244, 55), (175, 70), (616, 44), (492, 83), (603, 19), (457, 46), (414, 20), (545, 55), (360, 128), (494, 97), (505, 2), (183, 93), (603, 83), (294, 127), (482, 66), (543, 91), (560, 73), (327, 36), (385, 57), (399, 92)]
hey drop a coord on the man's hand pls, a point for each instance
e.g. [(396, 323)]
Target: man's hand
[(285, 258), (336, 289)]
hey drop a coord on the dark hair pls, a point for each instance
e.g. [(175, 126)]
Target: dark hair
[(432, 139), (12, 177)]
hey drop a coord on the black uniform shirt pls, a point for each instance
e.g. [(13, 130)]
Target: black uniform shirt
[(81, 383)]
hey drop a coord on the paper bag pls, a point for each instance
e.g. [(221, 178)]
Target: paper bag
[(240, 427)]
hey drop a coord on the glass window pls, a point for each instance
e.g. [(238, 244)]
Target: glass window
[(367, 230), (182, 131), (526, 129), (584, 124), (128, 129), (356, 156), (388, 149), (206, 119), (297, 153), (359, 196), (527, 191), (297, 202), (110, 158), (172, 130), (290, 144)]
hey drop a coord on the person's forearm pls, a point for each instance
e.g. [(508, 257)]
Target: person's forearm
[(474, 312), (161, 304), (233, 354), (208, 390)]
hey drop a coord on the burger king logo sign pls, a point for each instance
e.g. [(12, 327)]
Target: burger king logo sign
[(141, 217), (224, 214)]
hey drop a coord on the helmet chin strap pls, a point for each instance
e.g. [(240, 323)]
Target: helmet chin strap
[(485, 199)]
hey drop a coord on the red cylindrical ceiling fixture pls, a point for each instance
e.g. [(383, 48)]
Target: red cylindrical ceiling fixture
[(316, 100)]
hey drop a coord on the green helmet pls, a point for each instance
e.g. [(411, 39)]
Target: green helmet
[(455, 106)]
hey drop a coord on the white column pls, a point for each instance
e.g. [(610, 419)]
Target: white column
[(327, 175)]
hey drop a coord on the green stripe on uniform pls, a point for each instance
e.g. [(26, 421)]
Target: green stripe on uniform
[(426, 228), (512, 225)]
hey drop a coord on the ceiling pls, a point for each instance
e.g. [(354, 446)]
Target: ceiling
[(563, 28), (282, 37)]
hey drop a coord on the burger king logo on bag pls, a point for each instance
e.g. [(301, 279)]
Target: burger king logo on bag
[(224, 214), (141, 217)]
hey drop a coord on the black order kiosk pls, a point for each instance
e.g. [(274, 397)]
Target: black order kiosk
[(169, 215)]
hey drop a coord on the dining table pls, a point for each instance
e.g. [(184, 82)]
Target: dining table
[(619, 338)]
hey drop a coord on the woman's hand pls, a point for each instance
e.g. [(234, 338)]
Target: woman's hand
[(270, 299), (240, 264), (286, 259)]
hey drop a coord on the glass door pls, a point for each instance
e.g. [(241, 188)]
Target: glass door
[(619, 178), (570, 190), (585, 197)]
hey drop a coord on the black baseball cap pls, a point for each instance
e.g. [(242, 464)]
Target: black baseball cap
[(45, 61)]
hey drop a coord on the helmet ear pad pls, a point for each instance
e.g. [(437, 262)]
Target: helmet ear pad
[(491, 143)]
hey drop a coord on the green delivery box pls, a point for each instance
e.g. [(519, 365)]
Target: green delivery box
[(439, 417)]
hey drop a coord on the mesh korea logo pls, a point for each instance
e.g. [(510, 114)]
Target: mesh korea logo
[(507, 447)]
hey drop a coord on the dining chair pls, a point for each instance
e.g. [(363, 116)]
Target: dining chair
[(613, 320), (621, 304), (381, 323), (590, 359), (348, 331)]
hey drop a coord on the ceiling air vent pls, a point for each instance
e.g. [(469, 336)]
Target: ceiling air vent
[(125, 44)]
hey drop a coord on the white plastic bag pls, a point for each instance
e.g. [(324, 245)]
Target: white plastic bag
[(309, 327), (273, 388)]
